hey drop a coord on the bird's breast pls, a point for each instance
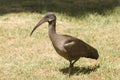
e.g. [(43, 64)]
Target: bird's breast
[(59, 47)]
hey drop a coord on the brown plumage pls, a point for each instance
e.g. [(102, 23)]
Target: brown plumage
[(69, 47)]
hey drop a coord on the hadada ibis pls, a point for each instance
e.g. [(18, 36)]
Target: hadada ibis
[(71, 48)]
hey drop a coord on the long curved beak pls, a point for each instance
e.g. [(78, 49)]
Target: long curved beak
[(37, 25)]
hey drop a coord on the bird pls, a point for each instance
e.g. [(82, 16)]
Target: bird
[(69, 47)]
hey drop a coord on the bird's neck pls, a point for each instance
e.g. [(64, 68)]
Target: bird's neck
[(52, 29)]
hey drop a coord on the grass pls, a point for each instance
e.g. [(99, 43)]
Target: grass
[(33, 58)]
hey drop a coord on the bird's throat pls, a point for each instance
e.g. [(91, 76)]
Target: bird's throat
[(52, 29)]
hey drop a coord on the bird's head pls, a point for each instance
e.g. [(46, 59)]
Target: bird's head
[(49, 17)]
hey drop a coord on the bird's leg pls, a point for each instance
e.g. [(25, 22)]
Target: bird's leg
[(75, 61), (70, 68)]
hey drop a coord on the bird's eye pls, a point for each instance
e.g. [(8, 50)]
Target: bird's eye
[(51, 17), (46, 16)]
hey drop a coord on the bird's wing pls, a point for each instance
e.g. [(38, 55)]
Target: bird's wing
[(76, 47)]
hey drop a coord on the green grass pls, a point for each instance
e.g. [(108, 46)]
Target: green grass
[(33, 58)]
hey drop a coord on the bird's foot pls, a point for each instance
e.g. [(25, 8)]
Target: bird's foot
[(70, 69)]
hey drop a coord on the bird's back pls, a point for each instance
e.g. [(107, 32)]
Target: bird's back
[(76, 48)]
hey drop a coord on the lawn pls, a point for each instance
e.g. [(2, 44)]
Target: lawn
[(33, 58)]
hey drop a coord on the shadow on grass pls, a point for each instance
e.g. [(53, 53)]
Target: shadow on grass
[(69, 7), (80, 70)]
